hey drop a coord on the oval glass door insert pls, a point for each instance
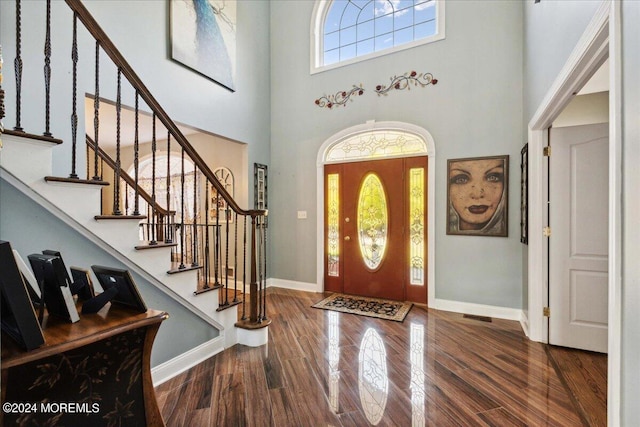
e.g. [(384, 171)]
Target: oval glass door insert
[(373, 221)]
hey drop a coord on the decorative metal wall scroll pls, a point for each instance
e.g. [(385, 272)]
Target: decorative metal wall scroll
[(404, 82), (524, 194), (340, 98)]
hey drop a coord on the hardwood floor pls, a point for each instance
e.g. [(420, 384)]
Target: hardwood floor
[(322, 368), (584, 374)]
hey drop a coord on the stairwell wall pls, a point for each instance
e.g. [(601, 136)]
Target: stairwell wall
[(30, 229)]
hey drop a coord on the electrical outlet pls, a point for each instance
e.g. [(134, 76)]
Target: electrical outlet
[(302, 214)]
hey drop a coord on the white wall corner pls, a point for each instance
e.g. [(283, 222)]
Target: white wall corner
[(524, 322), (169, 369)]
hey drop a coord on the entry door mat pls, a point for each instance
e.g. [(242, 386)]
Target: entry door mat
[(363, 306)]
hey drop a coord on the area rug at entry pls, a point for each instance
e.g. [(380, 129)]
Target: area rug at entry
[(363, 306)]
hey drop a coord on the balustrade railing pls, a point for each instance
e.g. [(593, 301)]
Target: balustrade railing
[(230, 253)]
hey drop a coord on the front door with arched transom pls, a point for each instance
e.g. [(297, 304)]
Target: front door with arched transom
[(375, 233)]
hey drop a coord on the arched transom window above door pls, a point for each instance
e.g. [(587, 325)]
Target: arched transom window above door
[(348, 31), (376, 144)]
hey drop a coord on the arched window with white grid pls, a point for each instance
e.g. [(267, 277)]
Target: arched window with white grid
[(348, 31)]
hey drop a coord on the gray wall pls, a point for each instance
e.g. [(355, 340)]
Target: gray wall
[(30, 229), (474, 110), (631, 200), (140, 30)]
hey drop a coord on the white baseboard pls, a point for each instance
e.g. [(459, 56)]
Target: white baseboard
[(169, 369), (291, 284), (477, 309)]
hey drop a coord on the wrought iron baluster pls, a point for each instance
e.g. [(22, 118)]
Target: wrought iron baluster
[(17, 66), (207, 254), (136, 160), (217, 255), (182, 233), (96, 113), (74, 102), (194, 259), (47, 74), (153, 240), (116, 182), (226, 258), (235, 259), (168, 236)]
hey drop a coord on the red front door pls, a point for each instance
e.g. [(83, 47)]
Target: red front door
[(368, 228)]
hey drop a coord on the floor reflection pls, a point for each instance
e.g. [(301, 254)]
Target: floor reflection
[(417, 375), (373, 380), (334, 360)]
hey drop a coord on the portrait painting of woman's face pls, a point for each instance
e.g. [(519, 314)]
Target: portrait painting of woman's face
[(477, 196)]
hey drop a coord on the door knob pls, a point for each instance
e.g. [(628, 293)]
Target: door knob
[(347, 219), (347, 238)]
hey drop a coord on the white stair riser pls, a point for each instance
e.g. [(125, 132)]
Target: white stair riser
[(27, 159)]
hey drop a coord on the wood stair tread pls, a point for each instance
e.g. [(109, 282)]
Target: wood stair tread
[(75, 180), (155, 246), (177, 269), (97, 217), (23, 134)]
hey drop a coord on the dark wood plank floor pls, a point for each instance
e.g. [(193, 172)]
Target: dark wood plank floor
[(323, 368), (584, 374)]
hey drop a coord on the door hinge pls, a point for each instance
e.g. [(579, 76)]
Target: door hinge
[(546, 151), (546, 311), (546, 232)]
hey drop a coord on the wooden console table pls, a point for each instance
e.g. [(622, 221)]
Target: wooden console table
[(93, 372)]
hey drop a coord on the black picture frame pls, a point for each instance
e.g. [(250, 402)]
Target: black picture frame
[(52, 278), (483, 214), (524, 194), (19, 319), (127, 295), (82, 283)]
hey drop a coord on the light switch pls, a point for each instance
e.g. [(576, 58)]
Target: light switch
[(302, 214)]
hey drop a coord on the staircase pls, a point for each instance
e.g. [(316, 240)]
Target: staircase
[(188, 259)]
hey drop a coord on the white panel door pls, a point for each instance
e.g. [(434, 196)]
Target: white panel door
[(578, 246)]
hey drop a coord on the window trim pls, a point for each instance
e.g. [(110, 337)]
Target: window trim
[(316, 39)]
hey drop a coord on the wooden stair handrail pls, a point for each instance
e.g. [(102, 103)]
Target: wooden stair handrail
[(109, 48), (125, 176)]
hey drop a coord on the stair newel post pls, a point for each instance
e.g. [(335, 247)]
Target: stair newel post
[(264, 269), (116, 181), (182, 236), (96, 114), (74, 102), (194, 258), (235, 259), (244, 266), (253, 288), (153, 240), (168, 236), (136, 159), (17, 65), (47, 74), (207, 255)]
